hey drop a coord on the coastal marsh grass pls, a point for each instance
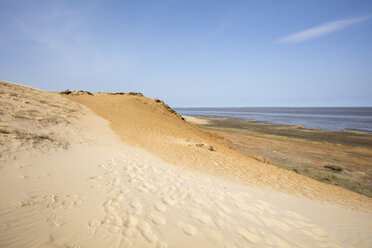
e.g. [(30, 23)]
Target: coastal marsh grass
[(292, 131), (328, 177), (342, 158)]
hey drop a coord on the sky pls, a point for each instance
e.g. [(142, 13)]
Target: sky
[(194, 53)]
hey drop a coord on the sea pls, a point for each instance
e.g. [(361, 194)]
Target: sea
[(325, 118)]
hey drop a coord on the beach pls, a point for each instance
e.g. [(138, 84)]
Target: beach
[(357, 119), (123, 170)]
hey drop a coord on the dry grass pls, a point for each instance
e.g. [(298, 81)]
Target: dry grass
[(339, 158), (33, 119)]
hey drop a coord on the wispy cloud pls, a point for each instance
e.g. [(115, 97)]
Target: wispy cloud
[(63, 35), (321, 30)]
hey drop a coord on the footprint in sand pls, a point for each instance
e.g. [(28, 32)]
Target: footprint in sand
[(149, 236), (252, 219), (95, 178), (250, 236), (123, 190), (57, 201), (244, 195), (93, 226), (320, 232), (72, 246), (277, 242), (202, 218), (245, 207), (129, 232), (225, 209), (146, 232), (136, 204), (143, 189), (148, 185), (219, 197), (117, 221), (214, 236), (136, 207), (160, 207), (94, 223), (271, 222), (157, 218), (54, 221), (28, 202), (178, 196), (229, 244), (168, 201), (114, 229), (162, 244), (125, 242), (295, 215), (317, 234), (200, 202), (189, 229), (131, 221), (223, 216)]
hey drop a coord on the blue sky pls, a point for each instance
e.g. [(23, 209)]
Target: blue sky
[(194, 53)]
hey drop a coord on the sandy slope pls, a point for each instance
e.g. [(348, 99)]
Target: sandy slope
[(93, 190), (148, 124)]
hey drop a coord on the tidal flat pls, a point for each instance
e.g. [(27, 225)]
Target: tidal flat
[(341, 158)]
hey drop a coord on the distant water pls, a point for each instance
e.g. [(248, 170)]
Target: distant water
[(325, 118)]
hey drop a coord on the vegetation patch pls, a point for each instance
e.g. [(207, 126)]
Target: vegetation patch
[(333, 168)]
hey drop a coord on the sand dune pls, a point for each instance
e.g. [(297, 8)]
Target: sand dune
[(67, 180), (149, 125)]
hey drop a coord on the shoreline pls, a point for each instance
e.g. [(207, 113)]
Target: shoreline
[(338, 137), (341, 158), (252, 120)]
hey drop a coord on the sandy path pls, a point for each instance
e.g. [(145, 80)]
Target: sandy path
[(101, 192), (114, 195)]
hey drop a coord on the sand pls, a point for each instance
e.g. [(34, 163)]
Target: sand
[(149, 125), (89, 188)]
